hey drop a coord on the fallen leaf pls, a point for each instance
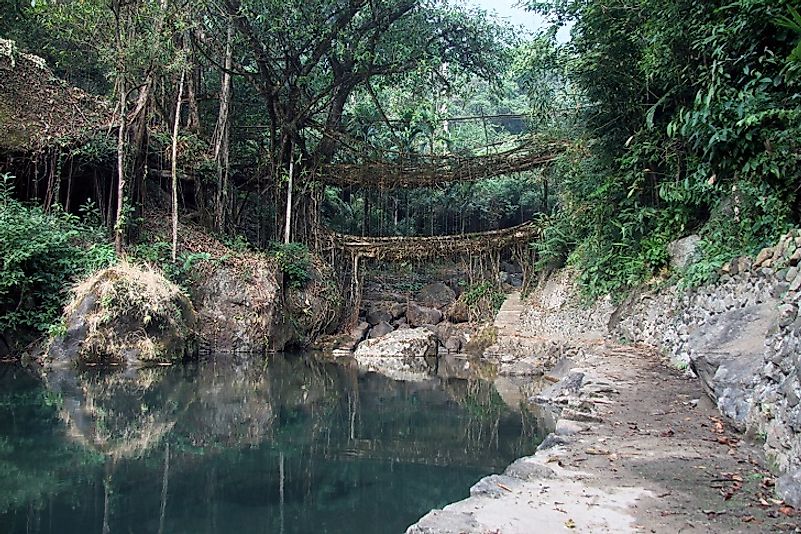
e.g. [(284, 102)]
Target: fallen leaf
[(570, 523), (789, 511)]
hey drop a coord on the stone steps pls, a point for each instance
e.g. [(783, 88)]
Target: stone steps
[(509, 317)]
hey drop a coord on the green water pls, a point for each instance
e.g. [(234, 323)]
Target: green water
[(286, 445)]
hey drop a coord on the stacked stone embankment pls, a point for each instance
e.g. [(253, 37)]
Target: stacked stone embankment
[(740, 335)]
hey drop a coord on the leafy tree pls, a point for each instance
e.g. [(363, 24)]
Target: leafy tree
[(690, 108)]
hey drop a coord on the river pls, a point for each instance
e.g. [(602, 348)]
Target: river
[(287, 444)]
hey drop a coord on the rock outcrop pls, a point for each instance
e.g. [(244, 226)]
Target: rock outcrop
[(125, 315), (241, 311), (401, 355)]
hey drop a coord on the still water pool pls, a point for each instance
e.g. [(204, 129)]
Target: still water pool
[(283, 445)]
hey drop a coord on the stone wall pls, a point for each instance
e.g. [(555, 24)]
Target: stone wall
[(741, 336)]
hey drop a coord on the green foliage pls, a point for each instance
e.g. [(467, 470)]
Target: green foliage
[(691, 113), (484, 295), (159, 254), (183, 272), (792, 21), (42, 254), (294, 261)]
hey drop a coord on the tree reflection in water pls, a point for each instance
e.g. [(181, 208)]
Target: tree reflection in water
[(286, 444)]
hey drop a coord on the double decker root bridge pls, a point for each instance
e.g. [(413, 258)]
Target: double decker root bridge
[(480, 252)]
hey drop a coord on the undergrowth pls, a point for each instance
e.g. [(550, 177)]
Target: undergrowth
[(294, 261), (41, 255)]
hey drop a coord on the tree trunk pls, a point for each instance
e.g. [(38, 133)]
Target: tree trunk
[(193, 122), (120, 222), (288, 223), (222, 134), (175, 126)]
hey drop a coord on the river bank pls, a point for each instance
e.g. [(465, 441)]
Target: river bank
[(640, 443)]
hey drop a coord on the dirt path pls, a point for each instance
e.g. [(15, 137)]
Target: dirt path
[(660, 433), (638, 448)]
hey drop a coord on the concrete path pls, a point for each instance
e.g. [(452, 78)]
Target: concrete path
[(509, 318)]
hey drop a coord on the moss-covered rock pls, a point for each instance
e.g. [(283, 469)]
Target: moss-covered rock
[(125, 315)]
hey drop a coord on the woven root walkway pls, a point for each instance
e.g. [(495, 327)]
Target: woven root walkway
[(428, 171), (415, 248)]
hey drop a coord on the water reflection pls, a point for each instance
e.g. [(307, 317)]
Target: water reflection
[(289, 444)]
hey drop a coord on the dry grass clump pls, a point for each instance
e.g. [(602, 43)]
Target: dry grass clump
[(131, 313)]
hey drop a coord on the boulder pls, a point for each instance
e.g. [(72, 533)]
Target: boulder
[(447, 522), (421, 315), (445, 330), (436, 295), (511, 267), (381, 329), (378, 314), (495, 486), (529, 469), (125, 316), (242, 315), (313, 308), (727, 353), (242, 307), (397, 310), (400, 354), (359, 332), (454, 343), (682, 252), (458, 312), (788, 487)]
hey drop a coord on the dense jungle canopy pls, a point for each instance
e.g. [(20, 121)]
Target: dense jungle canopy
[(672, 117)]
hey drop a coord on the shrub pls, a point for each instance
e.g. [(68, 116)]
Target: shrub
[(295, 263), (41, 255)]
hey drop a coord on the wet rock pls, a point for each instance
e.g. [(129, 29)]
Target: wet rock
[(446, 522), (381, 329), (528, 469), (400, 354), (682, 251), (436, 295), (420, 315)]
